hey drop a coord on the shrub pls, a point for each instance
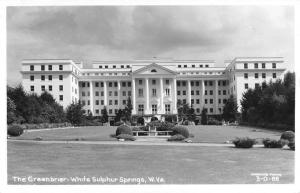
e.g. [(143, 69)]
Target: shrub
[(165, 126), (288, 135), (181, 130), (140, 120), (271, 143), (170, 118), (123, 129), (244, 142), (292, 145), (176, 137), (213, 121), (14, 130), (126, 137), (154, 119)]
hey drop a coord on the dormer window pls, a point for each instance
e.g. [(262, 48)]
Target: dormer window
[(153, 70)]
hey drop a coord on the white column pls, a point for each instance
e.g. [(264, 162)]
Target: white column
[(202, 94), (189, 97), (216, 97), (91, 97), (105, 93), (133, 96), (175, 96), (161, 96), (119, 93), (147, 95)]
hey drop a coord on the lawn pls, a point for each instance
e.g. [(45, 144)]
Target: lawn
[(174, 164), (211, 134)]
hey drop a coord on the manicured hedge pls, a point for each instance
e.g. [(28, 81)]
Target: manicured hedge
[(288, 135), (181, 130), (123, 129), (126, 137), (271, 143), (14, 130), (176, 137), (244, 142)]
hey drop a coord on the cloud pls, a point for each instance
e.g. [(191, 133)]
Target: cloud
[(126, 32)]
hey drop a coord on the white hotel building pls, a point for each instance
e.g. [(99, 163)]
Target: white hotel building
[(155, 86)]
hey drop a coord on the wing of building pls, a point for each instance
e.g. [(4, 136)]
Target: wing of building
[(155, 86)]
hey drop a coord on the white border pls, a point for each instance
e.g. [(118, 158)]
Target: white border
[(134, 188)]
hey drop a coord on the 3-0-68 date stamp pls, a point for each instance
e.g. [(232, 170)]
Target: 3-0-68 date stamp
[(267, 177)]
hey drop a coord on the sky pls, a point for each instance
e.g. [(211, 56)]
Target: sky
[(89, 33)]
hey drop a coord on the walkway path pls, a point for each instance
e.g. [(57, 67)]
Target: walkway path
[(129, 143)]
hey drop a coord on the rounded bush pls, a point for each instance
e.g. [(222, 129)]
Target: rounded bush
[(123, 129), (292, 145), (181, 130), (244, 142), (15, 130), (126, 137), (177, 137), (271, 143), (140, 120), (288, 135)]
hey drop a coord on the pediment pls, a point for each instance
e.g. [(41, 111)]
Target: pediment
[(154, 69)]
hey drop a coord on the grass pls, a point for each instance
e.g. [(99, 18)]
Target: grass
[(211, 134), (175, 164)]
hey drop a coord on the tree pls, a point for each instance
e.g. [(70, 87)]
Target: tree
[(75, 113), (204, 117), (230, 110), (128, 109), (104, 118), (11, 107)]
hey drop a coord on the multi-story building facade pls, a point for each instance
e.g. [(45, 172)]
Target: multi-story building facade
[(154, 86)]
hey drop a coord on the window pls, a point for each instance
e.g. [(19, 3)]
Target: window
[(116, 93), (154, 92), (61, 88), (153, 82), (211, 101), (50, 67), (124, 102), (97, 102), (83, 102), (220, 101), (255, 65), (60, 67), (60, 77), (201, 66), (122, 66), (205, 101), (110, 111), (110, 84), (32, 78), (123, 84), (106, 66), (141, 108), (167, 82), (141, 92), (224, 92), (102, 102), (129, 84), (153, 70), (263, 65), (184, 101), (43, 88), (128, 66), (178, 83), (245, 75), (256, 75), (124, 93), (49, 77), (197, 83), (50, 87), (110, 102), (129, 93), (246, 86), (179, 66), (167, 92), (116, 84), (42, 67), (154, 109), (97, 93), (184, 83), (197, 92), (274, 75), (197, 101), (193, 66), (211, 110), (100, 66), (245, 65), (185, 66), (211, 92), (206, 66), (31, 68), (205, 93), (83, 94), (167, 108), (184, 92), (224, 82), (140, 82), (263, 75), (178, 92), (192, 101), (31, 88), (110, 93), (273, 65), (96, 84), (116, 102), (97, 111), (192, 92), (102, 93), (114, 66), (42, 77), (192, 83), (102, 84)]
